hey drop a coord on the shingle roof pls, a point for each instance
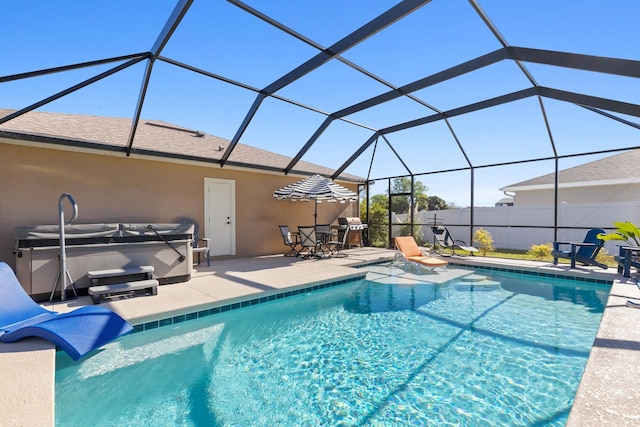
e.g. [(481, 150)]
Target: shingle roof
[(622, 167), (152, 137)]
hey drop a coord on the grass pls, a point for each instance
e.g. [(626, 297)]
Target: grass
[(603, 256)]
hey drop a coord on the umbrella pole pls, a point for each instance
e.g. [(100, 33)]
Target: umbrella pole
[(315, 212)]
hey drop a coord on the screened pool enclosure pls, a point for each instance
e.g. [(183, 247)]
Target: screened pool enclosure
[(466, 97)]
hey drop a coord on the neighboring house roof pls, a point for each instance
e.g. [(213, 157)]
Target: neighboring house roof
[(153, 137), (619, 169), (504, 201)]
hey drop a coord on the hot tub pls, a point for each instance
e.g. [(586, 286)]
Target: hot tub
[(90, 247)]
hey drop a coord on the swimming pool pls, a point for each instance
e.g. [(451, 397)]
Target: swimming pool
[(455, 348)]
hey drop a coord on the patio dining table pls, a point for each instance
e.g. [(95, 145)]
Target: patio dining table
[(323, 235)]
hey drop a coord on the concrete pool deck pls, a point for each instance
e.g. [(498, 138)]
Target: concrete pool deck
[(608, 394)]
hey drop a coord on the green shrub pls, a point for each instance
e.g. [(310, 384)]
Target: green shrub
[(605, 257), (484, 240), (625, 231), (541, 251)]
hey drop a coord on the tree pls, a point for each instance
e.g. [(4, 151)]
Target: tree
[(435, 203), (402, 204), (378, 215), (422, 202), (380, 199), (379, 207)]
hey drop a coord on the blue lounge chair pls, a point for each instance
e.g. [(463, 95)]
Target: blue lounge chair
[(584, 253), (77, 332)]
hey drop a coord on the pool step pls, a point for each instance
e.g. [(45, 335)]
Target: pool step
[(478, 279), (474, 278)]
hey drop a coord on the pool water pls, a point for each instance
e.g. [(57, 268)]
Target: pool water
[(479, 349)]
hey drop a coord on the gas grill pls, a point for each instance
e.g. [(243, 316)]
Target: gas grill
[(355, 227)]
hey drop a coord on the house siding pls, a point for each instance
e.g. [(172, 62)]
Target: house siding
[(116, 188), (595, 194)]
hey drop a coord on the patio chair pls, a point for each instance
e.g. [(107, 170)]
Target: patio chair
[(198, 245), (290, 239), (410, 254), (310, 242), (323, 233), (336, 246), (445, 241), (626, 259), (77, 332), (584, 253)]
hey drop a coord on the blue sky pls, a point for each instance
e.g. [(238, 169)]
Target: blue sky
[(220, 38)]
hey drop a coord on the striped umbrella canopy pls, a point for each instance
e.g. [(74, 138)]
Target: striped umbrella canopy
[(316, 188)]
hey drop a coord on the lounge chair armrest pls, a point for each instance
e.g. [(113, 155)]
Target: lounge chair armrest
[(630, 252), (583, 244), (558, 243), (204, 240), (632, 249), (576, 245)]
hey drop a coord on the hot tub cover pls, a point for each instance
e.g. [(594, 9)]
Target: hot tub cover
[(31, 236)]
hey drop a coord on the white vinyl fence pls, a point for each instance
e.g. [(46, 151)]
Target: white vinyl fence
[(505, 222)]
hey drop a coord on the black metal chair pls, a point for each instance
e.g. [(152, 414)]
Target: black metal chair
[(336, 246), (323, 233), (290, 239), (310, 242), (445, 241)]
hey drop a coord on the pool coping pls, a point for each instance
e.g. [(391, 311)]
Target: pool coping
[(242, 302), (536, 272), (245, 301)]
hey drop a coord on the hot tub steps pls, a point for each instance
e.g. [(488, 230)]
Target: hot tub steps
[(105, 283), (98, 292)]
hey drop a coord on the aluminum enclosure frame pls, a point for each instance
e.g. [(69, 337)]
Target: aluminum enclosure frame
[(519, 55)]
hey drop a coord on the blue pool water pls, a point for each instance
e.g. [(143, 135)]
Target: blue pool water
[(499, 350)]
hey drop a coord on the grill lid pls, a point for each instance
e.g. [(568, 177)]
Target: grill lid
[(349, 221)]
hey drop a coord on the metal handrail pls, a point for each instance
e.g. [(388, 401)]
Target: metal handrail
[(63, 273)]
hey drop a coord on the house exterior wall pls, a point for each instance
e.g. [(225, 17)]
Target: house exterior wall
[(590, 194), (127, 189)]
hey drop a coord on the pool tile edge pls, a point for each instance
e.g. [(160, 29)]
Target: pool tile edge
[(241, 302)]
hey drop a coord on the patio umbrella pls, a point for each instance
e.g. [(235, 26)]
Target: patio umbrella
[(315, 188)]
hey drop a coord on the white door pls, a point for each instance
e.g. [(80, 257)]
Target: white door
[(219, 214)]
